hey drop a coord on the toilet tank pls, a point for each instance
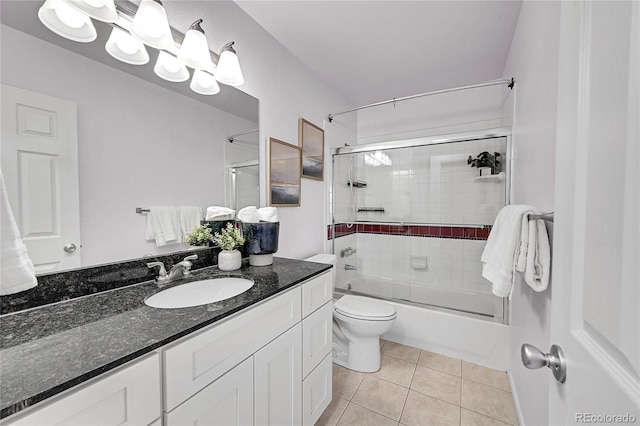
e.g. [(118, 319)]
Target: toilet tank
[(329, 259)]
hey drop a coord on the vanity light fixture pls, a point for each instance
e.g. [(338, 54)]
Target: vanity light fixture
[(147, 24), (122, 46), (194, 51), (150, 25), (102, 10), (228, 70), (204, 83), (62, 19), (170, 68)]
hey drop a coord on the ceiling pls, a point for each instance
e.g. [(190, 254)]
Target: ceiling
[(376, 50)]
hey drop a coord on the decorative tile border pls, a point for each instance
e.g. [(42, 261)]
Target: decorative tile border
[(457, 232)]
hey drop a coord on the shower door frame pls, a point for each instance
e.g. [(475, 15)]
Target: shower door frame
[(500, 132)]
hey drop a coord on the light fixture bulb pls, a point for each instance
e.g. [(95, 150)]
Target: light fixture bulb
[(122, 46), (170, 68), (102, 10), (228, 70), (194, 51), (67, 22), (204, 83), (70, 17), (150, 25)]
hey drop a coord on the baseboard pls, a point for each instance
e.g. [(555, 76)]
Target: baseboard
[(516, 403)]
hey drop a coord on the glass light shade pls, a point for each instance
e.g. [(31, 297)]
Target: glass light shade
[(194, 51), (228, 70), (150, 26), (67, 22), (102, 10), (122, 46), (170, 68), (204, 83)]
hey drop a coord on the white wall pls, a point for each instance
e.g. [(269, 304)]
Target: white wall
[(533, 61), (140, 145), (440, 114)]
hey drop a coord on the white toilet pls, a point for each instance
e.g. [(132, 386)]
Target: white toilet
[(358, 323)]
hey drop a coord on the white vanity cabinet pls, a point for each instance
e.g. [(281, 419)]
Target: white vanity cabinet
[(317, 343), (267, 365), (129, 396)]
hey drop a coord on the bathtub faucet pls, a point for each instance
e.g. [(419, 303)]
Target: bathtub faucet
[(350, 268), (347, 252)]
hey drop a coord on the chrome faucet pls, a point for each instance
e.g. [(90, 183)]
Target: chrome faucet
[(347, 252), (179, 270), (182, 269), (350, 268)]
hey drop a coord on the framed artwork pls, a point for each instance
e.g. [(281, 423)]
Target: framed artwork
[(312, 143), (284, 174)]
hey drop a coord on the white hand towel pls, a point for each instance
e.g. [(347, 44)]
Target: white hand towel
[(189, 217), (163, 225), (249, 215), (16, 269), (516, 244), (268, 214), (219, 213)]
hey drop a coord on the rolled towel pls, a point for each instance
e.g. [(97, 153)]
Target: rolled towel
[(268, 214), (249, 215), (219, 213), (190, 217), (16, 272)]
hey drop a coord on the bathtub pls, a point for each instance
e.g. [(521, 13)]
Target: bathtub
[(461, 332)]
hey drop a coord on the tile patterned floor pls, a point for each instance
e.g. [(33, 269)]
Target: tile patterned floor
[(421, 388)]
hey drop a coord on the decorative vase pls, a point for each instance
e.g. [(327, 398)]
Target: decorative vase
[(229, 260), (261, 241)]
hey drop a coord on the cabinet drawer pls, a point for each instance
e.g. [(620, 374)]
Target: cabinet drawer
[(316, 292), (227, 401), (316, 392), (194, 362), (128, 396), (317, 337)]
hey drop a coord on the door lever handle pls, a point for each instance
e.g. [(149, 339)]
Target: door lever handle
[(534, 358)]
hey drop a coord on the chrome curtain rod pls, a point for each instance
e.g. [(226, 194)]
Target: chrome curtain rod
[(232, 137), (508, 81)]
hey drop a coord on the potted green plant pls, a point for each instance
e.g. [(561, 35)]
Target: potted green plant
[(486, 160), (229, 259), (200, 236)]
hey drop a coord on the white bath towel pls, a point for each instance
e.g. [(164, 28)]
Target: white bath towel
[(516, 244), (268, 214), (190, 217), (163, 225), (219, 213), (16, 268), (249, 215)]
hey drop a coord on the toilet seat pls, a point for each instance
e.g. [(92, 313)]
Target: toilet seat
[(364, 308)]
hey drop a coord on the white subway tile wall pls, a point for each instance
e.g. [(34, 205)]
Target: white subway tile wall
[(427, 184)]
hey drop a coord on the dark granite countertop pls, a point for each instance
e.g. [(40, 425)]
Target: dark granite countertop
[(46, 350)]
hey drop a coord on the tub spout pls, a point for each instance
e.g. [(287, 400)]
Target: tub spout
[(350, 268)]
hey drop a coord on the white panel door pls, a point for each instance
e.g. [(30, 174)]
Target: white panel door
[(278, 380), (39, 152), (596, 280)]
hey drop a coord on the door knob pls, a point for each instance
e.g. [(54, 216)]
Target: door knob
[(69, 248), (534, 358)]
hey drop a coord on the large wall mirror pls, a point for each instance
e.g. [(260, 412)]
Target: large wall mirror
[(141, 142)]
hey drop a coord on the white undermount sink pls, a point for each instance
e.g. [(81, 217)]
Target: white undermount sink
[(198, 293)]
